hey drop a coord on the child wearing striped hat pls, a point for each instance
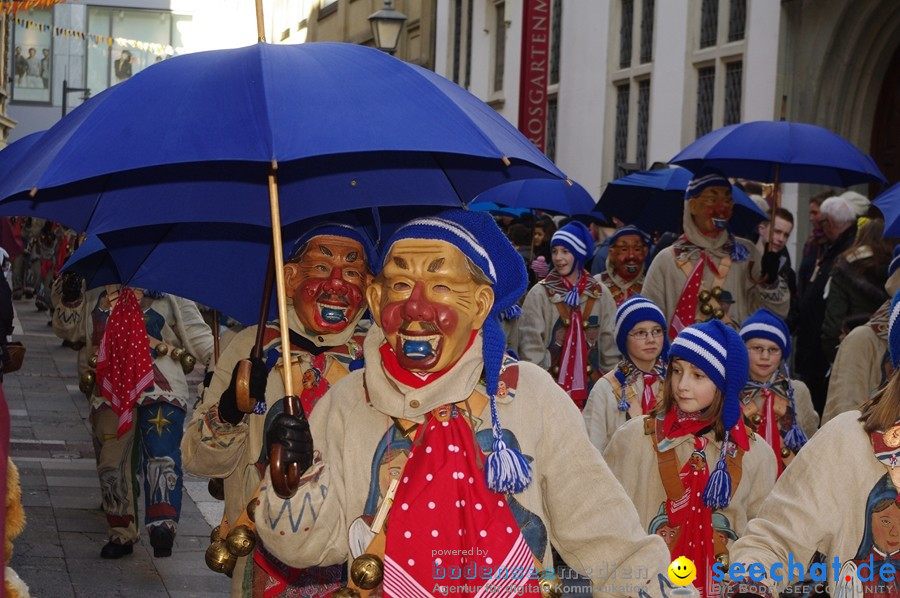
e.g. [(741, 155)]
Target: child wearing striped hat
[(839, 497), (774, 406), (567, 318), (707, 461), (631, 389)]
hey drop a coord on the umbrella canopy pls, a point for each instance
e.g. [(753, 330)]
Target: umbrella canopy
[(193, 137), (781, 151), (889, 204), (653, 200), (550, 195), (497, 209)]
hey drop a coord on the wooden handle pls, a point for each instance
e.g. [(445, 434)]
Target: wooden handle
[(285, 476), (245, 403)]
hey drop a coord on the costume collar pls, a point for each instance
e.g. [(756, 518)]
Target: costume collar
[(396, 399), (621, 282), (408, 378), (556, 288)]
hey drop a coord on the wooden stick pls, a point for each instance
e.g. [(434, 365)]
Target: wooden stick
[(260, 25)]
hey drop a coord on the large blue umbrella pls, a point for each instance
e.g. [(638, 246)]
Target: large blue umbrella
[(551, 195), (653, 200), (193, 138), (781, 151), (889, 204)]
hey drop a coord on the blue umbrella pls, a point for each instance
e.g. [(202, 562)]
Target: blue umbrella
[(889, 204), (497, 209), (653, 200), (781, 151), (551, 195)]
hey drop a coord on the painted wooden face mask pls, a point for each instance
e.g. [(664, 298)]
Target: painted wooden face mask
[(627, 256), (328, 283), (428, 301), (712, 209)]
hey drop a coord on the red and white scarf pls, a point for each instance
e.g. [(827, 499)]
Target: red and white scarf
[(447, 533), (573, 361)]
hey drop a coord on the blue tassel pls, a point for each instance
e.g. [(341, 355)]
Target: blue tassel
[(718, 489), (357, 364), (572, 298), (623, 405), (511, 313), (739, 253), (506, 470), (795, 438)]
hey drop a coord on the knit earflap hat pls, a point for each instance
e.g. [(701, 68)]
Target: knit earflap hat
[(707, 177), (894, 331), (632, 312), (340, 229), (767, 325), (627, 231), (477, 236), (575, 237), (721, 354)]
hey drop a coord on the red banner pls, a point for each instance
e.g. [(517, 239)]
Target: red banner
[(533, 75)]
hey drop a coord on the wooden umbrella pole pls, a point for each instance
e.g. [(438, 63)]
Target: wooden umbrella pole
[(216, 335), (285, 477), (776, 203), (260, 25)]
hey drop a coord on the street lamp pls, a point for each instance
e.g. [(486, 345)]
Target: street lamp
[(386, 26)]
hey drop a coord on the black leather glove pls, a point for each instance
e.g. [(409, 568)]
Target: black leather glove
[(71, 287), (293, 434), (228, 409), (769, 265)]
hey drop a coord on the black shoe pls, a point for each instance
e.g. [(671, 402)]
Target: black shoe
[(161, 539), (115, 551)]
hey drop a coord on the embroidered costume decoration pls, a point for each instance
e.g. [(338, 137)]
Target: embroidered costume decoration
[(506, 469), (124, 365), (443, 503)]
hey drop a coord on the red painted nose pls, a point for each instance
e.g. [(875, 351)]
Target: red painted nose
[(417, 307), (335, 284)]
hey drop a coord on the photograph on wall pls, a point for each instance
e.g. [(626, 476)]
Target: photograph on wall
[(32, 57)]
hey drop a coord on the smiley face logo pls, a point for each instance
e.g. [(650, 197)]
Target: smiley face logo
[(682, 571)]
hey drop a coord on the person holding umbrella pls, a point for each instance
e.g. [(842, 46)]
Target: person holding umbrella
[(689, 279), (455, 443), (326, 277), (140, 345)]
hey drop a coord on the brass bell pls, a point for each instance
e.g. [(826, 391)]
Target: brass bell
[(251, 510), (86, 384), (785, 452), (176, 354), (187, 362), (718, 314), (367, 571), (161, 349), (554, 370), (588, 368), (214, 534), (722, 558), (550, 585), (704, 296), (756, 418), (706, 309), (345, 592), (216, 488), (717, 293), (92, 361), (240, 541), (219, 559)]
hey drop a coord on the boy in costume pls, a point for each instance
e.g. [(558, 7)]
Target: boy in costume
[(626, 263), (492, 454)]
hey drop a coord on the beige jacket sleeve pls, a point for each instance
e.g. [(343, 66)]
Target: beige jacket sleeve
[(856, 372), (807, 416), (70, 321), (533, 336), (605, 310), (192, 330), (601, 415), (662, 284)]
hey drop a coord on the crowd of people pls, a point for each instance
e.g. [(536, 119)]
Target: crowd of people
[(482, 392)]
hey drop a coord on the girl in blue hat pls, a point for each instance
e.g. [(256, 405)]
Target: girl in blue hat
[(631, 389), (567, 318), (693, 454)]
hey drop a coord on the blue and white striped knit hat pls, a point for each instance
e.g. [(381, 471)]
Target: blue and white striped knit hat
[(630, 230), (894, 331), (721, 354), (575, 237), (767, 325), (632, 312), (477, 236), (340, 229), (707, 177)]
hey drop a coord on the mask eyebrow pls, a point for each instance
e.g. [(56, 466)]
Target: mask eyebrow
[(325, 251), (435, 265), (401, 263), (352, 256)]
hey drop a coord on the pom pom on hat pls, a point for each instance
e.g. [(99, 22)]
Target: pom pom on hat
[(575, 237), (477, 236), (706, 178), (894, 331), (766, 324), (339, 229), (632, 312)]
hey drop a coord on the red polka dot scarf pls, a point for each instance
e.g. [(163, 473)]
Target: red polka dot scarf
[(124, 365), (447, 533)]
